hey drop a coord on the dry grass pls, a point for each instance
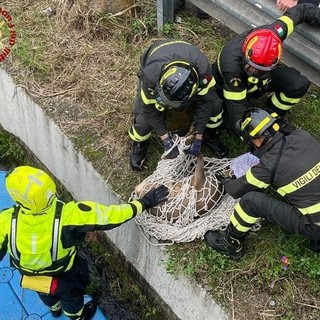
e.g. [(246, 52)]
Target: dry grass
[(81, 68)]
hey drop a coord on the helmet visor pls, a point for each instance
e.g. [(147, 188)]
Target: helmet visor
[(254, 72)]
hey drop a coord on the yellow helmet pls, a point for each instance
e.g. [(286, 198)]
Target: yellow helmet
[(31, 188)]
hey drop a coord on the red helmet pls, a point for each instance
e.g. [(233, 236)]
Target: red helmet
[(262, 49)]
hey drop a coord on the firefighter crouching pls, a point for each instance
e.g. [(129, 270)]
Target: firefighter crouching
[(174, 76), (41, 235), (290, 165), (249, 65)]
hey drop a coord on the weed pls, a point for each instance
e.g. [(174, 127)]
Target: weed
[(11, 152), (102, 71)]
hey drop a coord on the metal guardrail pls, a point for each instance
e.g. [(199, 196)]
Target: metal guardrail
[(302, 48)]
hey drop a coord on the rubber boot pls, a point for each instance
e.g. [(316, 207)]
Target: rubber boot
[(89, 310), (210, 139), (227, 241), (138, 155)]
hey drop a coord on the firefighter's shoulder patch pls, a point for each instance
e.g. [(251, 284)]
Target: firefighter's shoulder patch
[(278, 28), (235, 82)]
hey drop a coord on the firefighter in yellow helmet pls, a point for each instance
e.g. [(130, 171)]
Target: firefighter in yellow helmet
[(41, 235), (290, 165)]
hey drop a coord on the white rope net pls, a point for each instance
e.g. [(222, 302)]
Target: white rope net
[(196, 203)]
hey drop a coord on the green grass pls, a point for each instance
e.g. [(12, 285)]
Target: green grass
[(11, 151), (246, 286)]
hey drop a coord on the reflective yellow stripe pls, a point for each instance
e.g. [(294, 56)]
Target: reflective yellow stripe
[(310, 210), (159, 106), (288, 21), (135, 136), (245, 217), (215, 122), (216, 118), (254, 181), (235, 95), (254, 88), (146, 100), (301, 181), (138, 205), (278, 104), (69, 315), (284, 98), (205, 90), (214, 125), (167, 44), (260, 126), (218, 61)]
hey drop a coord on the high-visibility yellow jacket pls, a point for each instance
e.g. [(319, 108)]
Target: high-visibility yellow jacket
[(46, 244)]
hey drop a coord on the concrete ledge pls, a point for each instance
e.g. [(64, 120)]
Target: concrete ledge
[(20, 116)]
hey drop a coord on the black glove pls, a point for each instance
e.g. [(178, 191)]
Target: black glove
[(155, 196), (168, 144), (195, 147), (221, 178)]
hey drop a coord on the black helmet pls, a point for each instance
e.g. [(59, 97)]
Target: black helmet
[(257, 122), (178, 82)]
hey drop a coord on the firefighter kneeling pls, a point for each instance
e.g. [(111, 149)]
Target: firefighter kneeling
[(289, 163)]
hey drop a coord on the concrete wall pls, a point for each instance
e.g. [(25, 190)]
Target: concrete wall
[(20, 116)]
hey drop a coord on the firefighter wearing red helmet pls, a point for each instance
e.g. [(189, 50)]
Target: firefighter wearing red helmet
[(249, 65)]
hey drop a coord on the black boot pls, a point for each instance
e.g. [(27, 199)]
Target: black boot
[(89, 310), (210, 139), (227, 241), (138, 155)]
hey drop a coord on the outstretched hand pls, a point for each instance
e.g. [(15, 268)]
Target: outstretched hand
[(155, 196)]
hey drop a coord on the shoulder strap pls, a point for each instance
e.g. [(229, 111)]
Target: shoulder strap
[(13, 235), (55, 233)]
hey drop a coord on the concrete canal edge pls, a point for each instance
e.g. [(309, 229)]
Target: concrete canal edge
[(181, 298)]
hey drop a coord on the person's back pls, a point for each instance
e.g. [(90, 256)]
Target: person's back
[(297, 176)]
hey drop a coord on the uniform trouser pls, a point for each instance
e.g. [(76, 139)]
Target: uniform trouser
[(288, 86), (71, 289), (258, 204)]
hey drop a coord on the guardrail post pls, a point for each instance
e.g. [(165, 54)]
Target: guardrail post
[(165, 12)]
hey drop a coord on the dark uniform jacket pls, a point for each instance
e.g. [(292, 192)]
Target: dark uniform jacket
[(232, 80), (291, 166), (152, 61)]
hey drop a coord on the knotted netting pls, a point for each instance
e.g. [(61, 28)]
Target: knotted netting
[(196, 203)]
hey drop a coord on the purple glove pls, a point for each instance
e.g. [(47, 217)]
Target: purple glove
[(168, 144), (195, 147)]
